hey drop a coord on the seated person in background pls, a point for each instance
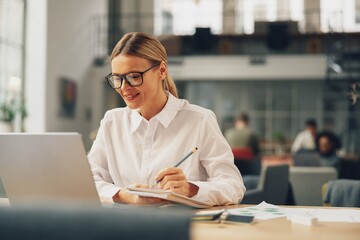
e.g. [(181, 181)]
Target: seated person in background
[(139, 144), (305, 140), (327, 145), (242, 137)]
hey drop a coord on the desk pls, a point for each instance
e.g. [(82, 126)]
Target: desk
[(275, 159), (279, 228)]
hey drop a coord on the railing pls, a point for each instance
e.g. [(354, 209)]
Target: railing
[(311, 35)]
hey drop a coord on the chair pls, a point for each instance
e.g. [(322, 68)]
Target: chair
[(272, 186), (307, 182), (244, 153), (342, 193), (81, 222), (246, 161)]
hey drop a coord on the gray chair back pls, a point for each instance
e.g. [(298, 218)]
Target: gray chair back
[(275, 183), (342, 193), (307, 182), (80, 222), (272, 186)]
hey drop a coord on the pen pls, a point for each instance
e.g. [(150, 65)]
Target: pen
[(181, 161)]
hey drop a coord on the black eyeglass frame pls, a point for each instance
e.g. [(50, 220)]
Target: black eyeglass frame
[(124, 77)]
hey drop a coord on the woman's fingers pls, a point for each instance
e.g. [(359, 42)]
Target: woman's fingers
[(166, 172), (171, 178)]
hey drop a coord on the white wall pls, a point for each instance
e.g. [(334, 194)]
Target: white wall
[(59, 44), (35, 65)]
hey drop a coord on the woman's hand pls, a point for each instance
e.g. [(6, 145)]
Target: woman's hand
[(124, 197), (174, 179)]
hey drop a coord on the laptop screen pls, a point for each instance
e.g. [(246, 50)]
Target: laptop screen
[(46, 167)]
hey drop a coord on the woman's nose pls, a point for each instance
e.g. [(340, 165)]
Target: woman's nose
[(125, 85)]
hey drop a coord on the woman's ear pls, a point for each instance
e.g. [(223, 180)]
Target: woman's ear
[(162, 70)]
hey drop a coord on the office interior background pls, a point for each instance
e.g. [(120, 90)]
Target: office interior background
[(281, 61)]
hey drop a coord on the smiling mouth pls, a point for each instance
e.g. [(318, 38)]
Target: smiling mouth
[(131, 96)]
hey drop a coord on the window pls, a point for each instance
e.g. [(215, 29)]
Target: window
[(357, 12), (276, 108), (181, 14), (182, 17), (11, 45)]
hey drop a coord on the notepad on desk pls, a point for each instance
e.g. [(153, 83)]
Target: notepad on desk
[(167, 195), (208, 216), (221, 216), (236, 219)]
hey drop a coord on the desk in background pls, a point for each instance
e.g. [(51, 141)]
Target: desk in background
[(276, 159)]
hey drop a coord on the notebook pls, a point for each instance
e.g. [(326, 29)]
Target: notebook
[(46, 167), (167, 195)]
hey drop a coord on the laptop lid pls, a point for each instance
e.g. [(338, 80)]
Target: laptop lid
[(46, 167), (309, 158)]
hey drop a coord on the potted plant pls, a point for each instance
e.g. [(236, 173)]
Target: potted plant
[(8, 113), (279, 140)]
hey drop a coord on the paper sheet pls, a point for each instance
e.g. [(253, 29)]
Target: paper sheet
[(262, 211), (265, 211)]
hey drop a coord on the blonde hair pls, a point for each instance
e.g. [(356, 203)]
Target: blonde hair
[(147, 47)]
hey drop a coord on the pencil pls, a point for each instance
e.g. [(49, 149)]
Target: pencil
[(181, 161), (188, 155)]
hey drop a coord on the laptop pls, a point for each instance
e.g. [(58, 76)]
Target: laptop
[(46, 167), (307, 158)]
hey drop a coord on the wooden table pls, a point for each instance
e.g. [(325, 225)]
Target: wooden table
[(279, 228)]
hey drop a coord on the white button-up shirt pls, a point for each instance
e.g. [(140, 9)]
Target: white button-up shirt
[(129, 149), (304, 140)]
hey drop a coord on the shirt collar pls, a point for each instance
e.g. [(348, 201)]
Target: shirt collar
[(170, 110), (165, 117), (136, 119)]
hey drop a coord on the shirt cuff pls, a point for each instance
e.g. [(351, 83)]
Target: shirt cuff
[(202, 194), (107, 193)]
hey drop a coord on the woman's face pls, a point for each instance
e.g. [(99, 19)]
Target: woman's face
[(147, 96)]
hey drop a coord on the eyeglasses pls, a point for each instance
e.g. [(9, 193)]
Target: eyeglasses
[(134, 79)]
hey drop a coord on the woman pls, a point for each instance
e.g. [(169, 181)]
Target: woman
[(138, 144)]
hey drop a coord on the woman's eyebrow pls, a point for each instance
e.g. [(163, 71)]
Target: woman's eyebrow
[(122, 74)]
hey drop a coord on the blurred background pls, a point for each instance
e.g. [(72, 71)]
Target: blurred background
[(281, 61)]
